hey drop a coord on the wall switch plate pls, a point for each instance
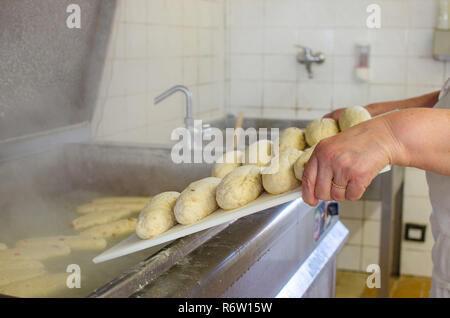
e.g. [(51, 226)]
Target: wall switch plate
[(415, 232)]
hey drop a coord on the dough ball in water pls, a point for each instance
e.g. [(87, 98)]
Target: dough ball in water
[(110, 230), (239, 187), (353, 116), (157, 217), (292, 138), (258, 153), (301, 162), (226, 163), (283, 178), (197, 201), (320, 129)]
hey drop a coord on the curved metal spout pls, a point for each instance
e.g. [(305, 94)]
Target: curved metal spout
[(188, 120)]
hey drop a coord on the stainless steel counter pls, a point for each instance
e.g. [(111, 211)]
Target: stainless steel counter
[(264, 250), (268, 254), (49, 165)]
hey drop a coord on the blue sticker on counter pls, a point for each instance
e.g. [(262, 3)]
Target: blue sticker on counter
[(322, 217)]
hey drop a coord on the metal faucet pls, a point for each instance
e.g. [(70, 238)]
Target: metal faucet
[(188, 120), (307, 57)]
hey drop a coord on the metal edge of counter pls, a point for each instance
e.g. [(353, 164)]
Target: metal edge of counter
[(225, 258)]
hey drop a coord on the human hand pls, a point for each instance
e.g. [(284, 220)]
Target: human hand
[(334, 114), (342, 167)]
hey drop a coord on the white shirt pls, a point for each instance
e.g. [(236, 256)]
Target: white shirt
[(439, 186)]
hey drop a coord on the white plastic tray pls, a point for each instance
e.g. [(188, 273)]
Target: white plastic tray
[(134, 244)]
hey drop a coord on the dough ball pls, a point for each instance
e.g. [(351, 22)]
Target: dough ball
[(226, 163), (320, 129), (239, 187), (157, 217), (353, 116), (292, 138), (197, 201), (283, 179), (258, 153), (301, 162)]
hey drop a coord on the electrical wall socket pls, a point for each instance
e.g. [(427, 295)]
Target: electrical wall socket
[(415, 232)]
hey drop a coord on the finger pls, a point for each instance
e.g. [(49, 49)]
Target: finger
[(340, 177), (309, 182), (336, 193), (354, 190), (323, 181)]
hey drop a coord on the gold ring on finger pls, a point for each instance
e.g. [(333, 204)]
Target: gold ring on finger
[(338, 186)]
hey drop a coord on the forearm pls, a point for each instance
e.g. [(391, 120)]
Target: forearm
[(421, 138), (428, 100)]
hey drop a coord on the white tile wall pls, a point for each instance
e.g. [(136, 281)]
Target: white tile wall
[(356, 230), (416, 256), (416, 263), (362, 218), (349, 258), (401, 63), (371, 233), (155, 45), (369, 255)]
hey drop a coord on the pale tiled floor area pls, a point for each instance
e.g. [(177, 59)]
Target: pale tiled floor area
[(353, 285)]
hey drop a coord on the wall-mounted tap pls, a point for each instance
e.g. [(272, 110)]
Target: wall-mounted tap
[(188, 120), (307, 56)]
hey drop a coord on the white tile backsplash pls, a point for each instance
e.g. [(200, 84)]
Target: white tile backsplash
[(372, 210), (416, 209), (246, 40), (394, 13), (352, 210), (350, 13), (280, 13), (384, 92), (246, 93), (370, 255), (317, 39), (280, 40), (420, 42), (388, 42), (345, 40), (136, 11), (416, 263), (312, 95), (334, 27), (280, 68), (371, 233), (155, 45), (279, 94), (245, 13), (422, 13), (308, 12), (345, 95), (246, 67), (425, 71), (388, 70), (356, 231)]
